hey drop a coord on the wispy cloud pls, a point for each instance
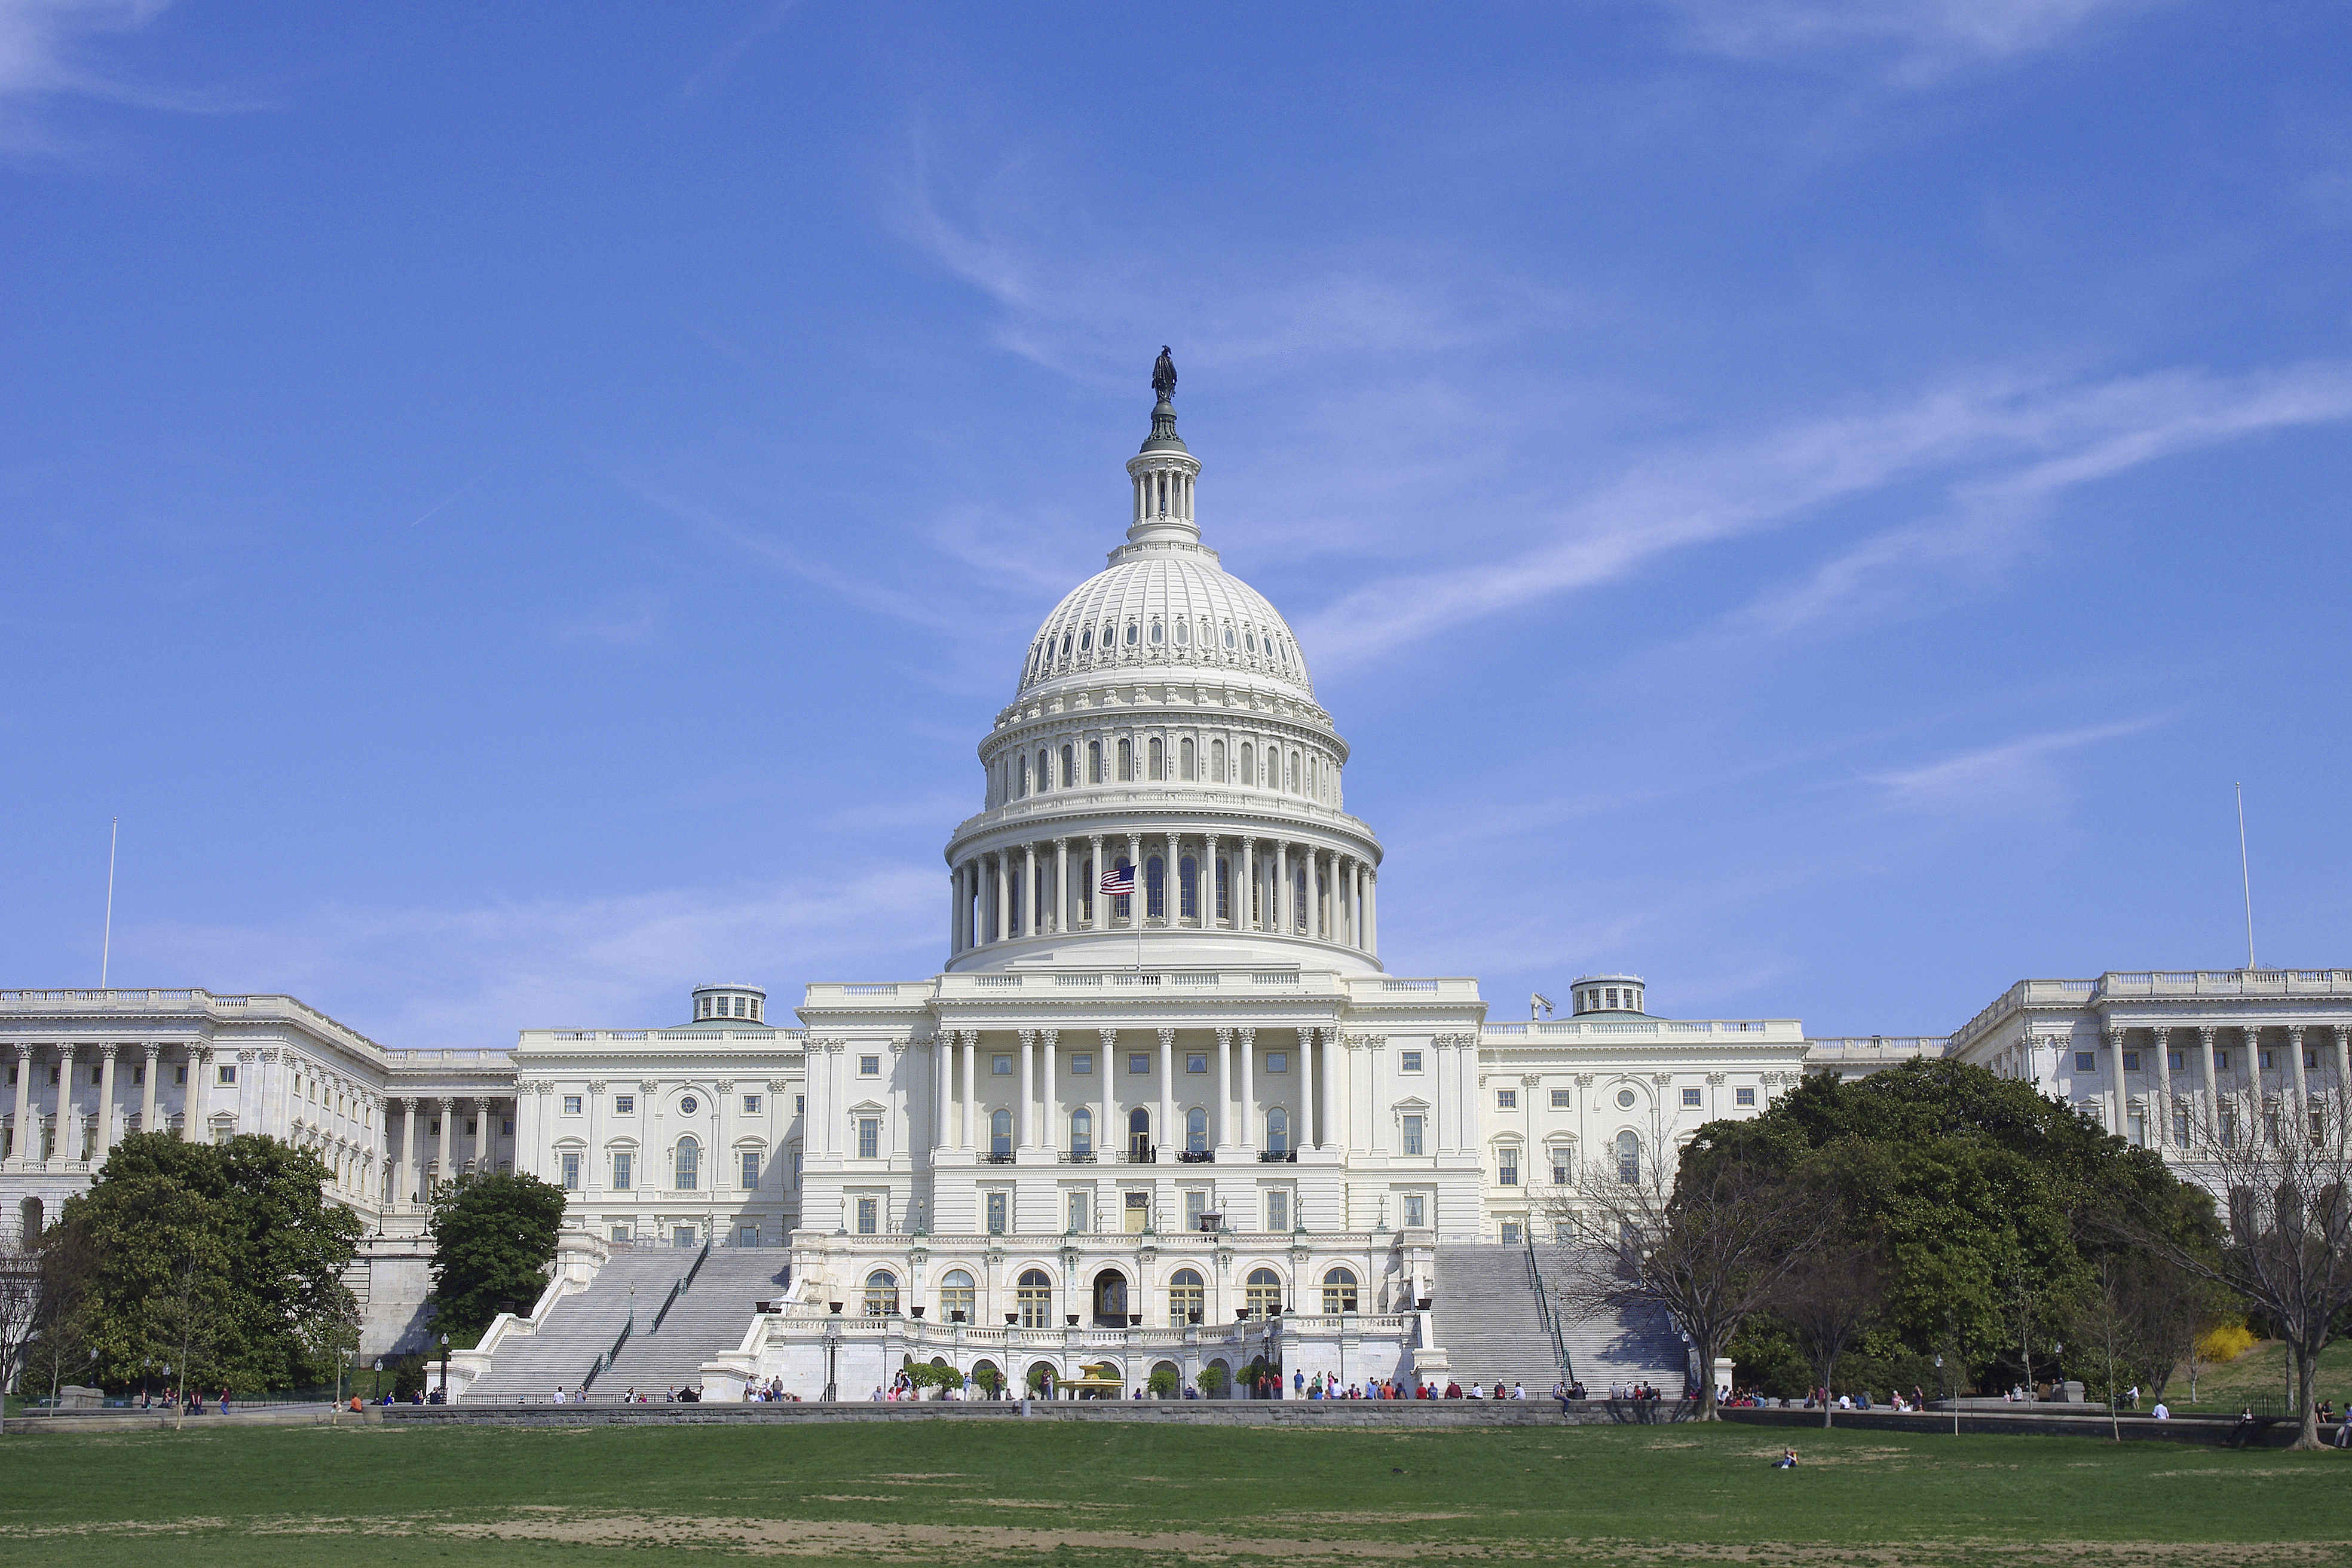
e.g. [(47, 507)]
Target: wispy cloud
[(1998, 449), (1918, 38), (621, 960), (47, 51), (2014, 778)]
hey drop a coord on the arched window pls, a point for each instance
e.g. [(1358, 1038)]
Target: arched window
[(1157, 770), (881, 1294), (1045, 770), (1069, 775), (1264, 1292), (1183, 634), (999, 1132), (1126, 760), (1130, 634), (956, 1297), (1278, 1130), (1196, 1131), (1249, 640), (1155, 633), (1629, 1157), (1082, 1131), (690, 1163), (1338, 1291), (1155, 901), (1300, 907), (1021, 783), (1121, 904), (1216, 762), (1188, 887), (1229, 636), (1087, 888), (1034, 1295), (1293, 773), (1138, 1132), (1249, 764), (1225, 896), (1094, 762), (1065, 648), (1087, 640), (1186, 1298), (1184, 759)]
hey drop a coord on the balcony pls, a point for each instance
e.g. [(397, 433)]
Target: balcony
[(994, 1159), (1195, 1157), (1144, 1156), (1077, 1157), (1278, 1156)]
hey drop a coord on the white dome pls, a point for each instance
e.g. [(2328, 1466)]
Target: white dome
[(1165, 607)]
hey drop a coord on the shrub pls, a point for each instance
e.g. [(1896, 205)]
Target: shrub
[(2225, 1341)]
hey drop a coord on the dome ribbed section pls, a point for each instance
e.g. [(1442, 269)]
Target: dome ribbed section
[(1166, 611)]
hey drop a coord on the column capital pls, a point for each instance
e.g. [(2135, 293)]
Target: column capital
[(448, 1103), (1168, 1036), (106, 1052), (1109, 1038), (1051, 1037)]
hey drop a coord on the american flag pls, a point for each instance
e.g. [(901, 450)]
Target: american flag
[(1118, 881)]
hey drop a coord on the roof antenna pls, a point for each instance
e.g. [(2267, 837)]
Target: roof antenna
[(106, 948), (2245, 874)]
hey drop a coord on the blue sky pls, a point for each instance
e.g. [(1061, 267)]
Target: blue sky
[(522, 507)]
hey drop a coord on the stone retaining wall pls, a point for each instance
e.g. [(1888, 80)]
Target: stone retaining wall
[(2212, 1431), (1339, 1412)]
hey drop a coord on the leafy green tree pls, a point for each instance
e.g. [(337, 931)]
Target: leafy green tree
[(493, 1238), (236, 1238)]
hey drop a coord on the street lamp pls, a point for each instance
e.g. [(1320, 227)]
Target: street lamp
[(376, 1389), (444, 1369), (1950, 1394)]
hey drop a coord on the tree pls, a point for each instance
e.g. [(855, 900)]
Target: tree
[(67, 1265), (1828, 1303), (1212, 1380), (238, 1232), (493, 1240), (1707, 1237), (20, 1296), (2286, 1244)]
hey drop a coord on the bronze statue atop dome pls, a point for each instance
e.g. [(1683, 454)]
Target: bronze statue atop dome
[(1164, 376)]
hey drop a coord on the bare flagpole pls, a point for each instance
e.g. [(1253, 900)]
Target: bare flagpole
[(2245, 874), (106, 948)]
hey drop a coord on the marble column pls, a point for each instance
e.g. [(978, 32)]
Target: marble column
[(2212, 1083), (1097, 917), (1049, 1111), (1061, 885), (147, 1088), (1209, 866), (942, 1091), (2111, 1077), (69, 1119), (1167, 1135), (1138, 900), (1003, 897), (400, 1164), (1172, 884), (1249, 1089), (1108, 1139), (1029, 900), (485, 1147), (28, 1137), (1371, 912), (1023, 1135), (2299, 1124), (448, 1125), (1223, 1131), (106, 1119), (1307, 1120), (1282, 915), (1245, 888), (971, 1041), (2161, 1111)]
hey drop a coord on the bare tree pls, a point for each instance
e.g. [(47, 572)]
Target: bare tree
[(66, 1262), (20, 1298), (2105, 1321), (2283, 1177), (1707, 1237), (1827, 1304)]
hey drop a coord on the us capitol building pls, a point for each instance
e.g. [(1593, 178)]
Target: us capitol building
[(1163, 1095)]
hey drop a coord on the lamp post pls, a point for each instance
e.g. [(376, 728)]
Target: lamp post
[(444, 1369), (831, 1359), (376, 1389), (1950, 1394)]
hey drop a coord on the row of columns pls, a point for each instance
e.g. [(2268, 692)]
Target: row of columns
[(69, 1117), (408, 1174), (1039, 1051), (998, 895), (2203, 1095)]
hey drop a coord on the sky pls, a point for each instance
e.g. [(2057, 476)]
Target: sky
[(520, 509)]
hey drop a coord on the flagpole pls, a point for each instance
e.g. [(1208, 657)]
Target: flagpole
[(106, 947), (2245, 874)]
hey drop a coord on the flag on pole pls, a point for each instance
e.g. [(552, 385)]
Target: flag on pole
[(1118, 881)]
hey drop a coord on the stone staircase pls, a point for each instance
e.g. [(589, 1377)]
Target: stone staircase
[(1629, 1346), (708, 1320), (1488, 1321)]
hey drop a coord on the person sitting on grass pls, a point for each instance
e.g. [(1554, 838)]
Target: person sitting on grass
[(1786, 1461)]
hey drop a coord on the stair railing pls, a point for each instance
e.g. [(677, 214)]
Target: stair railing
[(685, 1282), (1550, 1319)]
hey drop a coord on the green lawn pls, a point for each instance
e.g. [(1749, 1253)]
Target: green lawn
[(951, 1491), (2259, 1378)]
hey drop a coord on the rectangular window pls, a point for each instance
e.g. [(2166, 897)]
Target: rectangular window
[(2138, 1122), (2181, 1130), (2221, 1061), (1277, 1210), (1412, 1135), (1196, 1062), (1690, 1098), (506, 1123), (1562, 1172), (1507, 1167), (179, 1075), (869, 1217), (1560, 1099), (751, 1170), (2177, 1061), (1512, 1233), (1416, 1209), (1408, 1061), (622, 1172), (800, 1105), (870, 1137), (747, 1236), (1196, 1203), (996, 1206), (1139, 1062), (2228, 1130), (624, 1105), (870, 1066), (227, 1075), (571, 1172), (2131, 1061), (1078, 1207), (1277, 1061), (2311, 1058), (1506, 1100), (1082, 1063), (1743, 1097), (620, 1233), (2086, 1062), (571, 1105), (1001, 1067), (2267, 1063), (750, 1105)]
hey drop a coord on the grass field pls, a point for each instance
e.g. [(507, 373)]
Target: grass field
[(2259, 1377), (1084, 1493)]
